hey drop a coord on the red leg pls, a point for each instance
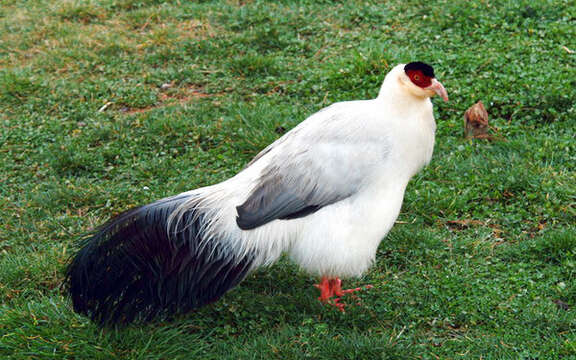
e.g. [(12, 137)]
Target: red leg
[(336, 284), (326, 291), (331, 289)]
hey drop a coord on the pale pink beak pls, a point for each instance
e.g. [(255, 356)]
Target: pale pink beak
[(438, 88)]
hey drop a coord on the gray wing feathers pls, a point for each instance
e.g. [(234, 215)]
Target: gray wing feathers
[(288, 193), (266, 203), (320, 162)]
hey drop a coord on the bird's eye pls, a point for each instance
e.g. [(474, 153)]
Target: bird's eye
[(418, 78)]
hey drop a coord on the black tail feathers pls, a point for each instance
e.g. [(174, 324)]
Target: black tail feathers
[(134, 269)]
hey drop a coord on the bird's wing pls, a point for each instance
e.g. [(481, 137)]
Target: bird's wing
[(308, 172), (288, 192)]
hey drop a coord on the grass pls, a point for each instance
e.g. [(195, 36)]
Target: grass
[(107, 104)]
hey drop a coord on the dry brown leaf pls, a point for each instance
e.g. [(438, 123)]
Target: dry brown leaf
[(476, 122)]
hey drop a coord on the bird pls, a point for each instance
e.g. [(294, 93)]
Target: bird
[(325, 193)]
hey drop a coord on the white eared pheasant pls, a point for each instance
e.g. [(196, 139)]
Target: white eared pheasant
[(325, 193)]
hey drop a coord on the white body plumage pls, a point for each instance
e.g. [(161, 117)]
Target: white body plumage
[(368, 148)]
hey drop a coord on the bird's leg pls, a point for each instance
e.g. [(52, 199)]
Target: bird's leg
[(325, 288), (331, 289)]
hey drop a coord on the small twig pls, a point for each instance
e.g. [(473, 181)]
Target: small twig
[(105, 106), (146, 23), (401, 332)]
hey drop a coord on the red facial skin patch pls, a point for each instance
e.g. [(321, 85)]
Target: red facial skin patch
[(419, 79)]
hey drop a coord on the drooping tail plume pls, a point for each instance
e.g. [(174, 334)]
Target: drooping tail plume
[(139, 265)]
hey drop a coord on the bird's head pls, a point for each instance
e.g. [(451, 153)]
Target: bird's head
[(419, 80)]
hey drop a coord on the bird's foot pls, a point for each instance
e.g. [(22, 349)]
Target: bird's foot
[(331, 292)]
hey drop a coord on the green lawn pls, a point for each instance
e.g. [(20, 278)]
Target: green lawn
[(107, 104)]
